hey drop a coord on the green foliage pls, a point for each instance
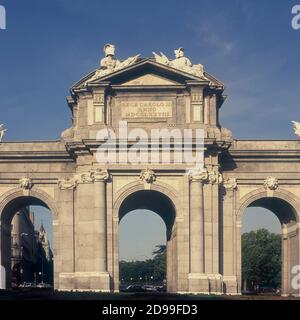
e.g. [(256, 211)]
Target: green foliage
[(155, 267), (261, 259)]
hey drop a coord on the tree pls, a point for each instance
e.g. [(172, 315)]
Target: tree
[(155, 267), (159, 262), (261, 259)]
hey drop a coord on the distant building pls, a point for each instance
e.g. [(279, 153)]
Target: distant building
[(31, 254), (23, 246), (44, 256)]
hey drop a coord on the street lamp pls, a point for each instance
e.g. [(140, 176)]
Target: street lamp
[(23, 234)]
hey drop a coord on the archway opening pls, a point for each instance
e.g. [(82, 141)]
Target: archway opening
[(26, 244), (155, 268), (268, 238)]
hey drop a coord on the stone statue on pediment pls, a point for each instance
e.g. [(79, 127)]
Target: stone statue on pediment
[(109, 61), (2, 132), (296, 128), (181, 62), (110, 64)]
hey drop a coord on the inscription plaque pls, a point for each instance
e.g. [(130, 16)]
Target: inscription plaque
[(146, 109)]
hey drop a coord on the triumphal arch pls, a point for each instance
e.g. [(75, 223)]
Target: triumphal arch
[(202, 208)]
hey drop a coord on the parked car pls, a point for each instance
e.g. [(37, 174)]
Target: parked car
[(44, 285), (149, 288), (27, 285), (135, 288)]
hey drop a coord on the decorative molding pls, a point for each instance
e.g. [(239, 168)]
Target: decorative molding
[(97, 175), (271, 183), (26, 183)]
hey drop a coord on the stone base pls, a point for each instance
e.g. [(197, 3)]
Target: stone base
[(198, 283), (230, 285), (215, 284), (84, 281)]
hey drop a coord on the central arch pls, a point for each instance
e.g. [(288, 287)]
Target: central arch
[(285, 206), (160, 203)]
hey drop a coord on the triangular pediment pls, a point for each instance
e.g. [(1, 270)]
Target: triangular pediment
[(149, 80), (145, 72)]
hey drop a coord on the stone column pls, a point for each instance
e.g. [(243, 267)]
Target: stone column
[(212, 271), (198, 282), (101, 177), (285, 263), (227, 236), (64, 236), (196, 225)]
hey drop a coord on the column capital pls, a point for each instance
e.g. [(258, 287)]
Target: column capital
[(67, 184), (214, 176), (198, 175), (101, 175)]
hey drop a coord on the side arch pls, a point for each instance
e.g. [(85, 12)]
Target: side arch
[(255, 195), (286, 206), (35, 192)]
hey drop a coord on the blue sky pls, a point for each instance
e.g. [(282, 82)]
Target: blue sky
[(248, 44)]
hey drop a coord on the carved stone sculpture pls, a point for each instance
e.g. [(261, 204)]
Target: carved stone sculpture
[(148, 176), (25, 183), (2, 132), (230, 184), (296, 127), (110, 64), (67, 184), (198, 175), (214, 176), (101, 175), (271, 183), (181, 62)]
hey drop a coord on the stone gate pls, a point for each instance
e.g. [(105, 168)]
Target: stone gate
[(202, 210)]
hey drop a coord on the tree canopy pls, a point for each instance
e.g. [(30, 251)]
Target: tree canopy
[(261, 259), (155, 268)]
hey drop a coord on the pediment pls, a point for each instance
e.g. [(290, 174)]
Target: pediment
[(146, 72), (150, 80)]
